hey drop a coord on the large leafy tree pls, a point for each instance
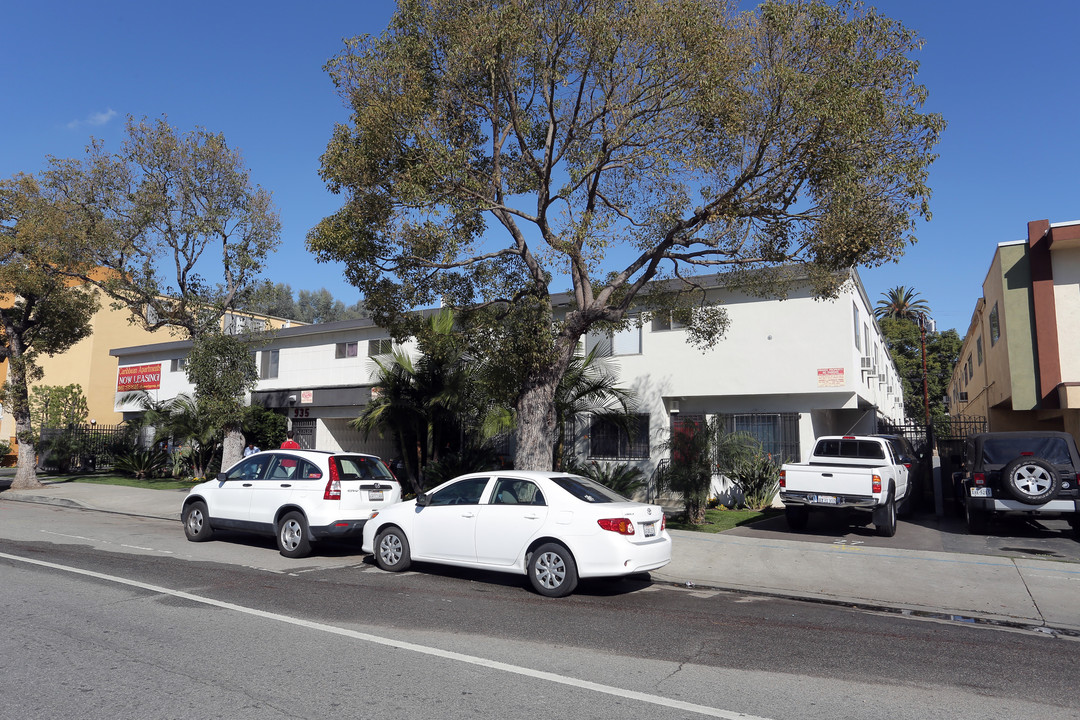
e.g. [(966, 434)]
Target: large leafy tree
[(902, 303), (175, 232), (499, 151), (40, 310), (903, 338)]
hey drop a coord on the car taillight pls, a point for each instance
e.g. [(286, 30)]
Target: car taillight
[(623, 526), (333, 485), (663, 522), (877, 484), (783, 478), (978, 478)]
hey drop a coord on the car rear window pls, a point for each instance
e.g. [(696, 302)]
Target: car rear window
[(850, 448), (1000, 450), (588, 490), (358, 467)]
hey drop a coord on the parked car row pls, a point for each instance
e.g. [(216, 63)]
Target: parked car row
[(552, 527)]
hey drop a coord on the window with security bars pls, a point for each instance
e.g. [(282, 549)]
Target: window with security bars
[(778, 433), (610, 439)]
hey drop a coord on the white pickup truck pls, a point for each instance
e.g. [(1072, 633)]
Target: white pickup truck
[(868, 473)]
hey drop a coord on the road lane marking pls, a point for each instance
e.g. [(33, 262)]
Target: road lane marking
[(412, 647)]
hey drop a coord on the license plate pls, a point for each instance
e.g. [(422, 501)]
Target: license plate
[(374, 495), (650, 529), (824, 499), (980, 492)]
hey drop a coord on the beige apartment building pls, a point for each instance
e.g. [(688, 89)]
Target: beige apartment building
[(89, 364), (1020, 362)]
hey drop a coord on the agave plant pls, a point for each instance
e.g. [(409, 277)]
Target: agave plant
[(143, 463), (623, 478)]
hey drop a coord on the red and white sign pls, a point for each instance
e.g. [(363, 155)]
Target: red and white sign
[(139, 377), (830, 377), (307, 397)]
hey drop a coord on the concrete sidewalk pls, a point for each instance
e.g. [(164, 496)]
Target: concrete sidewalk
[(1014, 591)]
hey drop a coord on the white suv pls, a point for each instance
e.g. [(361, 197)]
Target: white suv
[(298, 496)]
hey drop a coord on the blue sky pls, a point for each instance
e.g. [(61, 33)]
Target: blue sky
[(1004, 75)]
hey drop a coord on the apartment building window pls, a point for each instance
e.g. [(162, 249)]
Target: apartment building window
[(866, 338), (610, 440), (383, 346), (607, 343), (995, 326), (345, 350), (778, 433), (665, 320), (978, 349), (970, 368), (858, 342), (269, 366), (178, 364)]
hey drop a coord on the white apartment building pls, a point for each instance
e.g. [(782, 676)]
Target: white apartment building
[(786, 371)]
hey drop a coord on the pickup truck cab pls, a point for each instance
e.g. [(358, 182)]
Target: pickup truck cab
[(864, 473)]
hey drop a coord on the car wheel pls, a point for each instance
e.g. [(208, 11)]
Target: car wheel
[(977, 520), (885, 518), (1031, 480), (552, 570), (392, 550), (292, 536), (197, 522), (797, 516)]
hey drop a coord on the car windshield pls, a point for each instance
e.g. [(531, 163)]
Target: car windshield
[(1000, 450), (358, 467), (588, 490)]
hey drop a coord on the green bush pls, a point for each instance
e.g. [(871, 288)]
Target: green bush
[(144, 463), (5, 448)]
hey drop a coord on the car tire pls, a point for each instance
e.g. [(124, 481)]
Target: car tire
[(196, 520), (292, 536), (885, 518), (978, 521), (552, 570), (392, 550), (797, 516), (1031, 480)]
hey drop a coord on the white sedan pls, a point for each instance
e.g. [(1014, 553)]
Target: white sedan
[(553, 527)]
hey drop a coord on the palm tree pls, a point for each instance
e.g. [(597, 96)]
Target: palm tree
[(435, 406), (902, 303), (590, 385)]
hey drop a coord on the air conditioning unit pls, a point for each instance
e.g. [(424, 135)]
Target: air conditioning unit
[(866, 362), (881, 378)]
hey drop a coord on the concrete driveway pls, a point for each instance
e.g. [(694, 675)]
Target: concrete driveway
[(1016, 536)]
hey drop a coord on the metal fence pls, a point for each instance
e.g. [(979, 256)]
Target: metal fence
[(83, 447)]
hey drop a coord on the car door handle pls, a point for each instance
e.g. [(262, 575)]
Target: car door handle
[(467, 514), (532, 516), (286, 484), (247, 484)]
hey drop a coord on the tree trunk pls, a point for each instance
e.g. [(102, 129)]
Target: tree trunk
[(232, 447), (26, 469), (536, 412)]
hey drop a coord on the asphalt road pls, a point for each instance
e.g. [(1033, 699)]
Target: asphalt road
[(171, 629)]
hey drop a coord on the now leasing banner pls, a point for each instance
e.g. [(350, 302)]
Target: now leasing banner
[(139, 377)]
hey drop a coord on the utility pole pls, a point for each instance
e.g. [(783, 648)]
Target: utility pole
[(925, 385)]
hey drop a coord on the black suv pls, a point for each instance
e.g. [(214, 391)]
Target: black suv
[(1031, 473)]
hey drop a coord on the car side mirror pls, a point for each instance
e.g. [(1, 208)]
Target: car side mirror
[(423, 499), (221, 477)]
